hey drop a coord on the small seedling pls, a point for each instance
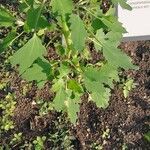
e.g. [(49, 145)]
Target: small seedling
[(124, 146), (45, 107), (39, 143), (96, 146), (128, 86), (7, 106), (147, 136), (17, 138), (106, 133)]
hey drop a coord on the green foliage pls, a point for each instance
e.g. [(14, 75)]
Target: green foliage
[(128, 86), (124, 146), (147, 136), (30, 52), (7, 41), (106, 133), (122, 3), (60, 98), (35, 20), (16, 139), (78, 32), (74, 25), (99, 94), (6, 19), (113, 55), (95, 146), (62, 7), (95, 80), (61, 138), (7, 107), (39, 143), (39, 71), (45, 107)]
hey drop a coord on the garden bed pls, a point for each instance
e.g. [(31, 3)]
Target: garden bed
[(125, 120), (33, 124)]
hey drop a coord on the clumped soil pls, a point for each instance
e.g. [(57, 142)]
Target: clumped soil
[(125, 120)]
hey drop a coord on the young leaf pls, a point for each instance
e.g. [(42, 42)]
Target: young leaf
[(92, 73), (116, 57), (72, 105), (128, 86), (78, 32), (59, 81), (7, 41), (64, 101), (99, 94), (113, 54), (98, 24), (147, 136), (6, 19), (63, 70), (106, 74), (114, 38), (101, 99), (115, 26), (57, 84), (101, 37), (25, 56), (25, 5), (62, 7), (75, 86), (39, 71), (35, 20), (59, 100), (123, 4)]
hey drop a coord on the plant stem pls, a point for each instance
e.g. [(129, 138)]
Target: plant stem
[(26, 3), (92, 34), (16, 37), (50, 41), (66, 33)]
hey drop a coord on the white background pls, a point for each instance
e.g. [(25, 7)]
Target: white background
[(137, 21)]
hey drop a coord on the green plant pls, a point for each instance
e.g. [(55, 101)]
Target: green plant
[(39, 143), (2, 86), (96, 146), (26, 145), (7, 106), (75, 24), (61, 137), (45, 107), (106, 133), (147, 136), (4, 80), (124, 146), (16, 139), (128, 86)]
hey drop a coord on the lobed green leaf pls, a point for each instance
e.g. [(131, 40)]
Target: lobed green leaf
[(6, 18), (35, 20), (7, 41), (62, 7), (25, 56), (78, 32)]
